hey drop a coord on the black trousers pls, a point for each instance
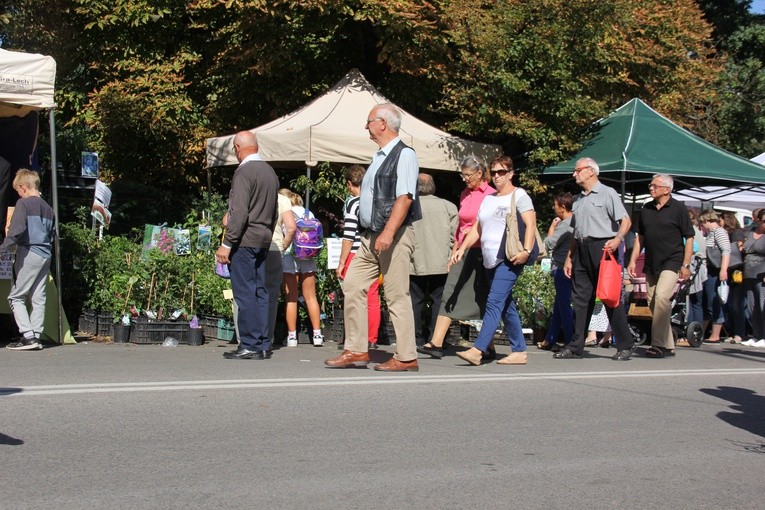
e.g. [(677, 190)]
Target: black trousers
[(420, 289), (584, 282)]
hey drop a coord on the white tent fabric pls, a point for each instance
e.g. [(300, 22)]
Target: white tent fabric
[(26, 82), (331, 128), (759, 159)]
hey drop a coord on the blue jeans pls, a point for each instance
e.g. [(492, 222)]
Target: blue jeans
[(500, 303), (563, 314), (248, 281), (713, 310)]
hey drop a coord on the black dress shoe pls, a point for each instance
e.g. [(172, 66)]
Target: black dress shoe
[(240, 353), (567, 354), (622, 355), (261, 354)]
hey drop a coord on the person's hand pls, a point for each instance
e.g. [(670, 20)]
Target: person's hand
[(339, 271), (568, 267), (520, 258), (457, 256), (383, 242), (684, 273), (724, 276), (612, 245), (222, 255), (631, 269)]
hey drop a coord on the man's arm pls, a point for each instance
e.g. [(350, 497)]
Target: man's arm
[(624, 226), (636, 247), (397, 216)]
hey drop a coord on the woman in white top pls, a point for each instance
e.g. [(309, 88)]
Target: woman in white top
[(501, 273)]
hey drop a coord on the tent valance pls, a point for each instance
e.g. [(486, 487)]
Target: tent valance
[(331, 128), (26, 82)]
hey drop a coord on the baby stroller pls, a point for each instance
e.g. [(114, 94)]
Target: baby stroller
[(639, 314)]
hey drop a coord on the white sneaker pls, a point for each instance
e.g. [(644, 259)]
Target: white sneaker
[(292, 342), (318, 340), (760, 343), (749, 343)]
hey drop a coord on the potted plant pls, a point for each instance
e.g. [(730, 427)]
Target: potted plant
[(534, 294)]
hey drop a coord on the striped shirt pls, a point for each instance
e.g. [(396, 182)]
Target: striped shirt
[(351, 223)]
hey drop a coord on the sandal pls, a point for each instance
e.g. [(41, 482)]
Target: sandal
[(710, 341), (658, 352), (544, 345), (604, 343)]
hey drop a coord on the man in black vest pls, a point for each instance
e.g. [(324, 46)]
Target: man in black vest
[(387, 208)]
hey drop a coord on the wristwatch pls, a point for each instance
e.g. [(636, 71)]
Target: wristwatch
[(527, 250), (687, 266)]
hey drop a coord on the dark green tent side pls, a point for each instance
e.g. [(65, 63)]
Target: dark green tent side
[(635, 139)]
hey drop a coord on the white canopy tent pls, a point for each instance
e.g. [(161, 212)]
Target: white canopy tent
[(331, 128), (27, 84), (759, 159)]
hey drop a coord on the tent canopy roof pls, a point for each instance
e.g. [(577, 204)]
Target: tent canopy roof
[(637, 139), (26, 82), (331, 128)]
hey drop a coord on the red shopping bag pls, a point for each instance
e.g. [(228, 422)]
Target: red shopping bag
[(609, 289)]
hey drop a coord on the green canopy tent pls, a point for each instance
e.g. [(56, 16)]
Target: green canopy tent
[(635, 142)]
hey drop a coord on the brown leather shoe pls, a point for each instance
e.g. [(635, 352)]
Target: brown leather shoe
[(394, 365), (349, 359)]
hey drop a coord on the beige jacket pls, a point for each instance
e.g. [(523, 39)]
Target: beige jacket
[(433, 236)]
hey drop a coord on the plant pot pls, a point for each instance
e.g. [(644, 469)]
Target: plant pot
[(196, 336), (120, 333)]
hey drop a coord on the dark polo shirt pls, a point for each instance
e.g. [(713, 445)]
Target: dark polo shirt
[(664, 233)]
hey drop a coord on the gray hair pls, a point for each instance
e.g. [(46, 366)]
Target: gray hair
[(425, 185), (473, 163), (666, 180), (591, 163), (390, 114)]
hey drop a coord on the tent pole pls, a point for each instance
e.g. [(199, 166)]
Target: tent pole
[(308, 187), (56, 243)]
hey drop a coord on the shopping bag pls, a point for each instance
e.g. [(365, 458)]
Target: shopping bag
[(723, 291), (609, 289)]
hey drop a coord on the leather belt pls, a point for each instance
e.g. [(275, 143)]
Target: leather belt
[(589, 239)]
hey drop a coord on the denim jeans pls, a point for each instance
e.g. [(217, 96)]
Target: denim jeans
[(500, 303), (713, 310), (563, 314), (248, 281)]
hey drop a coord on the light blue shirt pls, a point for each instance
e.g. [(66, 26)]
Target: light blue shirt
[(406, 181)]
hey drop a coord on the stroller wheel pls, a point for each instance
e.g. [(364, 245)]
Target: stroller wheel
[(694, 334), (639, 336)]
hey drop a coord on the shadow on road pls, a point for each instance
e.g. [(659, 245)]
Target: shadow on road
[(749, 407), (10, 441)]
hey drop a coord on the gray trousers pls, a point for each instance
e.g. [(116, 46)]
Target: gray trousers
[(28, 291)]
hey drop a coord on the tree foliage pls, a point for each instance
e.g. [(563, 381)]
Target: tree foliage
[(144, 82)]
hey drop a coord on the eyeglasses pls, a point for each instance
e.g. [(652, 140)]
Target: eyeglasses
[(580, 169), (369, 121), (466, 176), (500, 172), (652, 185)]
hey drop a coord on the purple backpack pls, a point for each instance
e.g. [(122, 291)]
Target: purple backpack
[(309, 237)]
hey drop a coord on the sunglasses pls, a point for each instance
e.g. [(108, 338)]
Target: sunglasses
[(501, 172)]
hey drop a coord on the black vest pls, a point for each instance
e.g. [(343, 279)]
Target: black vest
[(385, 192)]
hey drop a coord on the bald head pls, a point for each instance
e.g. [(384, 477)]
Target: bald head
[(425, 185), (245, 143)]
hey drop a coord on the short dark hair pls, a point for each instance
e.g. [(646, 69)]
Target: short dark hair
[(505, 161), (355, 174), (565, 200)]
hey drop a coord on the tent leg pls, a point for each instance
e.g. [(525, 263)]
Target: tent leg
[(56, 243), (308, 188)]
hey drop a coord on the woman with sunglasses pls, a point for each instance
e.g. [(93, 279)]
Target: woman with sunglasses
[(465, 290), (502, 273)]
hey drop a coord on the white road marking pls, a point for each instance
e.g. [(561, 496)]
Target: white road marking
[(74, 389)]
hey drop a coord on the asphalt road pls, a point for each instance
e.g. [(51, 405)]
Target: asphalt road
[(144, 427)]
